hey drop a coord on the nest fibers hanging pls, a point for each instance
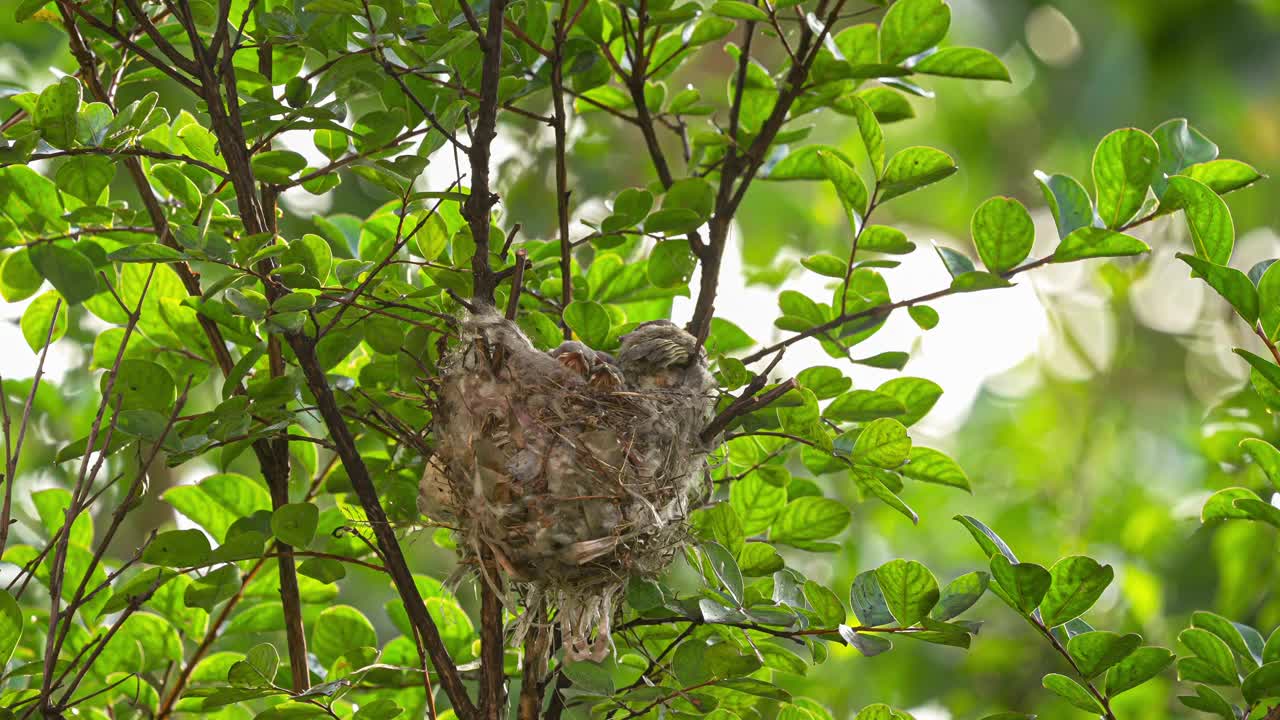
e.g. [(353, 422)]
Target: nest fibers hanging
[(574, 470)]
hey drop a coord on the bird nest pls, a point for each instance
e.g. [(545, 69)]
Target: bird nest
[(573, 470)]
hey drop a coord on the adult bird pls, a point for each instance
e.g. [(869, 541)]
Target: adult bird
[(657, 354)]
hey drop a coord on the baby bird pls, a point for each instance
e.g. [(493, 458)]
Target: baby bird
[(606, 376), (656, 354), (576, 357)]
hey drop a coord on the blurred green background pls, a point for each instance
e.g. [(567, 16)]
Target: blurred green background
[(1087, 405)]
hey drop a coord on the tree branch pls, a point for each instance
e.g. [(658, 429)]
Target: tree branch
[(481, 200)]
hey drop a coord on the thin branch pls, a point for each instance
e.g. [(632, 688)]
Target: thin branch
[(480, 202)]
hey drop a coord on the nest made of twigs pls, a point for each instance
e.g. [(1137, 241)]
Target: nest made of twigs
[(575, 471)]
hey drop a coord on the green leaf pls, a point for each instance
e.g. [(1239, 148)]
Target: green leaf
[(70, 272), (431, 239), (145, 642), (909, 589), (874, 481), (960, 595), (1096, 651), (720, 523), (1181, 146), (178, 184), (759, 560), (1208, 218), (957, 263), (1222, 504), (215, 587), (671, 263), (977, 281), (629, 208), (326, 570), (277, 166), (809, 518), (863, 406), (258, 669), (914, 167), (57, 112), (1213, 662), (869, 129), (725, 568), (589, 321), (884, 239), (86, 176), (593, 677), (315, 255), (1073, 692), (1003, 233), (917, 395), (1092, 242), (849, 187), (147, 253), (929, 465), (824, 381), (867, 600), (1233, 285), (1140, 666), (672, 221), (19, 279), (51, 505), (1267, 457), (987, 539), (1023, 584), (824, 602), (1262, 683), (26, 8), (963, 62), (331, 143), (380, 709), (1068, 201), (142, 385), (1227, 630), (925, 317), (1209, 700), (694, 194), (138, 588), (1078, 582), (883, 443), (295, 524), (867, 644), (11, 622), (804, 163), (1124, 166), (31, 201), (756, 502), (1224, 176), (339, 629), (911, 27), (739, 10), (177, 548), (38, 319), (1265, 367)]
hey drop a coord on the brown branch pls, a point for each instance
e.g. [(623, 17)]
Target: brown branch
[(734, 170), (558, 127), (480, 202), (517, 284), (493, 691), (363, 485), (129, 151), (11, 458)]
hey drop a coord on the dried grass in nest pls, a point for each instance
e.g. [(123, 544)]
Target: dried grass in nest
[(574, 486)]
